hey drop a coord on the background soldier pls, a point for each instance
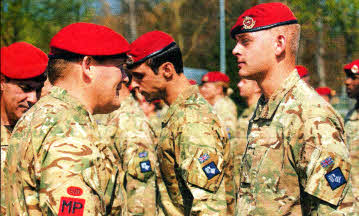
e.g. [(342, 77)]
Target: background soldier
[(296, 161), (303, 73), (193, 149), (22, 77), (352, 121), (249, 90), (326, 93), (56, 162), (132, 141), (214, 89)]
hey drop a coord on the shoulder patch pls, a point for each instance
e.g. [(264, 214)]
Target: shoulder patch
[(74, 191), (335, 178), (71, 206), (211, 170), (142, 154), (203, 158), (328, 161), (145, 166)]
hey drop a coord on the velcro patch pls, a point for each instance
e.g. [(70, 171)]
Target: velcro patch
[(71, 206), (203, 158), (211, 170), (328, 161), (335, 178), (145, 166), (142, 154)]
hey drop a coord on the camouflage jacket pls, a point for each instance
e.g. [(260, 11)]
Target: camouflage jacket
[(193, 152), (56, 164), (240, 141), (296, 161), (5, 136), (226, 110), (131, 139), (352, 130)]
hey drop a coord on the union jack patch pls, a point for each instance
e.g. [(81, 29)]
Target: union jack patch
[(203, 158), (328, 161)]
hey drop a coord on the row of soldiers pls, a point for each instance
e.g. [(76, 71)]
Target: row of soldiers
[(87, 148)]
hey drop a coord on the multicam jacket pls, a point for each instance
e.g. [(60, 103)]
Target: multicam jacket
[(240, 142), (226, 110), (296, 161), (56, 164), (193, 152), (5, 136), (352, 131), (131, 139)]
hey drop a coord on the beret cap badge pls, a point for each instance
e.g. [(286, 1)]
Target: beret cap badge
[(130, 59), (248, 22), (355, 69)]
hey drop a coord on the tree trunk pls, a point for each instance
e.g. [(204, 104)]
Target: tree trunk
[(319, 55)]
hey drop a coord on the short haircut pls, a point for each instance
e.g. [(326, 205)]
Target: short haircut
[(172, 55), (292, 33), (41, 78), (58, 65)]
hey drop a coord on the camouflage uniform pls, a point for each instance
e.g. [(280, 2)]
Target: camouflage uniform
[(352, 131), (226, 110), (129, 135), (193, 152), (240, 142), (56, 164), (5, 136), (296, 161)]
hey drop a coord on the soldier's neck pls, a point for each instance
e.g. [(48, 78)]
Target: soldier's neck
[(253, 99), (175, 87)]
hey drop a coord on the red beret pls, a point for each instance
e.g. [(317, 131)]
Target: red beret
[(263, 16), (192, 82), (352, 67), (325, 91), (149, 45), (215, 76), (89, 39), (22, 60), (302, 71)]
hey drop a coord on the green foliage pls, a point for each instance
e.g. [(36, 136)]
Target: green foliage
[(36, 21)]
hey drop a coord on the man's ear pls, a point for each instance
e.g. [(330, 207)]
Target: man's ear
[(2, 82), (280, 45), (88, 70), (168, 70)]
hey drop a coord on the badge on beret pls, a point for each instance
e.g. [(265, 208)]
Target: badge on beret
[(145, 166), (211, 170), (355, 69), (205, 79), (130, 59), (335, 178), (248, 22)]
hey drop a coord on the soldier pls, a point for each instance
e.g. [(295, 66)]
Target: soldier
[(352, 122), (296, 161), (56, 162), (214, 89), (193, 149), (249, 90), (326, 93), (303, 73), (132, 141), (22, 77)]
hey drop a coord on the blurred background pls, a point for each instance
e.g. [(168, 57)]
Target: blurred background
[(329, 37)]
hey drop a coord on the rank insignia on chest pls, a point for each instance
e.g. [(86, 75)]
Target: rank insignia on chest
[(211, 170), (335, 178), (142, 154), (145, 166), (203, 158), (327, 162)]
